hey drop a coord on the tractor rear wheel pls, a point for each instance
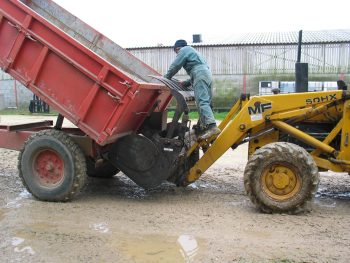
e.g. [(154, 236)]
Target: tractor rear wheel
[(281, 178), (52, 166)]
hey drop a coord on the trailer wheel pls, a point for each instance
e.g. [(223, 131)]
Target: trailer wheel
[(52, 166), (281, 178), (100, 170)]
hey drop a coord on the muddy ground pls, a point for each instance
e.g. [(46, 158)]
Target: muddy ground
[(113, 220)]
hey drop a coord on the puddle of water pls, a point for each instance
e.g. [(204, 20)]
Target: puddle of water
[(28, 235), (203, 185), (243, 203), (329, 203), (16, 203), (156, 248), (20, 247), (29, 232), (193, 186), (330, 194), (345, 195), (100, 227), (257, 234), (189, 247)]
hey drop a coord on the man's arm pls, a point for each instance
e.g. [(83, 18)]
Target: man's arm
[(177, 64)]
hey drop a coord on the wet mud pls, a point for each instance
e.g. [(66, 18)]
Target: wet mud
[(212, 220), (2, 215)]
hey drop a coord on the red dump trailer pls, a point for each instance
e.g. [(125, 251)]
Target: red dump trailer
[(118, 108)]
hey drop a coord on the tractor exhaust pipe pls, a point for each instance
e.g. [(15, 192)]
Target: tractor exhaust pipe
[(301, 70), (299, 45)]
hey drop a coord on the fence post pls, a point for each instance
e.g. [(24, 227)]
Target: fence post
[(244, 84)]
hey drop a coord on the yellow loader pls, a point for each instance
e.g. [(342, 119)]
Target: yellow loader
[(291, 138)]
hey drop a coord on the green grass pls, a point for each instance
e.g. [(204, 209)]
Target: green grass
[(220, 115), (194, 115), (24, 111)]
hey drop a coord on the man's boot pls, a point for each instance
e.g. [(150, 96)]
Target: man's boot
[(209, 132)]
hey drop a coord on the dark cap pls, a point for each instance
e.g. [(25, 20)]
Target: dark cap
[(180, 43)]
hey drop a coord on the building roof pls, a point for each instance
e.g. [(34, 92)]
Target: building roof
[(276, 38), (324, 36)]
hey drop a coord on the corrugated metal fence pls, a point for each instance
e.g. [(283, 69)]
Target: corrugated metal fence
[(13, 93), (259, 59), (236, 68)]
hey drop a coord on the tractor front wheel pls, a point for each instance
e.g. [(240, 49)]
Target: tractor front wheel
[(281, 178)]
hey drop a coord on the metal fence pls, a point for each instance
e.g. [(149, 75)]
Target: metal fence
[(236, 68), (4, 76), (323, 58), (13, 93)]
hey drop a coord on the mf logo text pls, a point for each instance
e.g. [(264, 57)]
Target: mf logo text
[(259, 108)]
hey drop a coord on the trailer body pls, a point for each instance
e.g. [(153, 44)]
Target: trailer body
[(101, 88), (113, 98)]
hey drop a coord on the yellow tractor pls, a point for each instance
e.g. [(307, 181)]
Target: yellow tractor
[(291, 137)]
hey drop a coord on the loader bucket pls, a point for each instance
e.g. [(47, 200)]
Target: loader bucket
[(148, 163)]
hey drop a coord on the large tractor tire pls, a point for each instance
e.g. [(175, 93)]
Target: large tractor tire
[(52, 166), (281, 178)]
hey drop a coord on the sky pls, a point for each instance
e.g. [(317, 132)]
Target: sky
[(140, 23)]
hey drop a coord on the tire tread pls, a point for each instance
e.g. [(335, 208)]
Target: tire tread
[(79, 162)]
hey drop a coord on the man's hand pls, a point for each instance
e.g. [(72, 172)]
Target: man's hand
[(178, 82)]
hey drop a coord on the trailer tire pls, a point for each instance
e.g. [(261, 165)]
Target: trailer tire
[(104, 170), (281, 178), (52, 166)]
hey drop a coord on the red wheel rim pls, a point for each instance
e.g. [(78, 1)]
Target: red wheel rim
[(48, 168)]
